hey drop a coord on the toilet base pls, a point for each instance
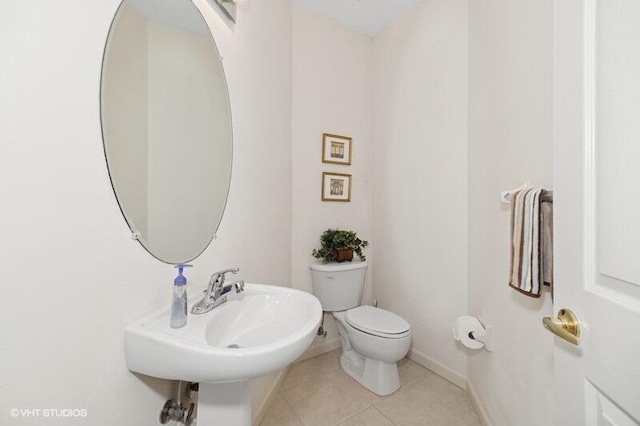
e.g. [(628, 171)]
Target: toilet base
[(379, 377)]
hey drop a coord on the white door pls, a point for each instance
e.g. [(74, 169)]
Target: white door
[(597, 209)]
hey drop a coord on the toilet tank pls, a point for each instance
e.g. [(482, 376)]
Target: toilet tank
[(338, 286)]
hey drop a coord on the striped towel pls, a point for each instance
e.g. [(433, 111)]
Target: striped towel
[(529, 247)]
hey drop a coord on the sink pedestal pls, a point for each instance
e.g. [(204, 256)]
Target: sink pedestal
[(226, 404)]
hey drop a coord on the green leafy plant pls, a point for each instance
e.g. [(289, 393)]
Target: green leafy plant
[(333, 240)]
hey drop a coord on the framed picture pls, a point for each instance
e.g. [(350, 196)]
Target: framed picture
[(336, 149), (336, 187)]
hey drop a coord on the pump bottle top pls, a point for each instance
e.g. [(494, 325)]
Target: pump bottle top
[(181, 279)]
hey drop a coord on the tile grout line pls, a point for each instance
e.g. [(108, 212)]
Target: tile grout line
[(383, 415), (310, 378), (353, 415), (293, 411)]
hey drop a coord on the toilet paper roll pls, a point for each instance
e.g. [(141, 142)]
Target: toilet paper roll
[(465, 325)]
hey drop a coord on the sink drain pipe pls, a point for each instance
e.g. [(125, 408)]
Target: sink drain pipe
[(176, 409)]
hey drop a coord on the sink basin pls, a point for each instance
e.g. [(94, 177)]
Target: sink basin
[(254, 333)]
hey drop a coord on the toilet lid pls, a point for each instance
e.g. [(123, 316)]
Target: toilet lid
[(377, 321)]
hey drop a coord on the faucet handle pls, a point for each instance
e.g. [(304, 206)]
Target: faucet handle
[(226, 271), (217, 279), (220, 275)]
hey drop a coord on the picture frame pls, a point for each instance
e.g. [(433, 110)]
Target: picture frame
[(336, 149), (336, 187)]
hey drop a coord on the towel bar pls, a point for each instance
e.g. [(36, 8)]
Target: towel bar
[(505, 196)]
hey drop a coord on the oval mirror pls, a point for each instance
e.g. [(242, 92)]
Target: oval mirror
[(166, 126)]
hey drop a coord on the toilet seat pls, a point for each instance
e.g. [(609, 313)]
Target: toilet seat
[(378, 322)]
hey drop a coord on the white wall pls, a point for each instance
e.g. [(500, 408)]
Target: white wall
[(332, 93), (420, 166), (72, 277), (510, 141)]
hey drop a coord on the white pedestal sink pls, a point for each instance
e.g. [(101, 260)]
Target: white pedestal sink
[(256, 332)]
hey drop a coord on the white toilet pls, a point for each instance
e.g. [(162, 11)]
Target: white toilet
[(373, 340)]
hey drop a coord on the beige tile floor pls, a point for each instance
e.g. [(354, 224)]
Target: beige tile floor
[(316, 392)]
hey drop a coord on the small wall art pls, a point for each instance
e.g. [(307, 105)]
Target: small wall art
[(336, 149), (336, 187)]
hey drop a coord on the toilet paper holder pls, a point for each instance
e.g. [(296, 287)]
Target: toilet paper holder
[(472, 335), (484, 337)]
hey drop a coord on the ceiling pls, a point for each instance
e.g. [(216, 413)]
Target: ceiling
[(365, 16), (179, 14)]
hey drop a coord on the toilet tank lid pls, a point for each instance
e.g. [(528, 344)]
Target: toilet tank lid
[(337, 267), (368, 318)]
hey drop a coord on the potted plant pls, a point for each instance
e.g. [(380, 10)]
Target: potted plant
[(337, 246)]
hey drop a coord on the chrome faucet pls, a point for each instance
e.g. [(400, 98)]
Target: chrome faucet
[(216, 292)]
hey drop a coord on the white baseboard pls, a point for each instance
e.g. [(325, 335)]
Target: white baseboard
[(455, 378), (475, 399), (269, 397), (440, 369), (324, 347)]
